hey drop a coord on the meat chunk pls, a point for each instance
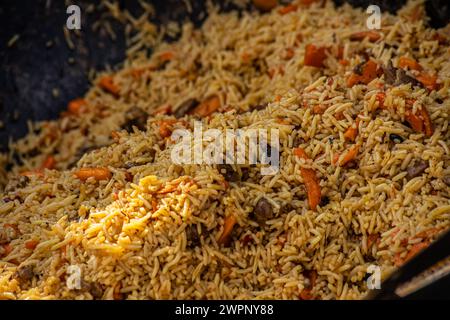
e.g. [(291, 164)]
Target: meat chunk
[(186, 107), (136, 117)]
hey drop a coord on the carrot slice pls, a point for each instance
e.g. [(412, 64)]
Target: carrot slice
[(314, 56), (31, 244), (107, 84), (352, 131), (207, 107), (229, 223), (371, 35), (77, 106), (429, 81), (287, 9), (310, 179), (265, 5), (368, 73), (98, 173), (405, 62)]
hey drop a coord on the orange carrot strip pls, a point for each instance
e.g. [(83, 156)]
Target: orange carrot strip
[(371, 35), (77, 106), (107, 84), (369, 72), (319, 109), (415, 249), (207, 107), (344, 62), (166, 56), (352, 131), (349, 156), (405, 62), (98, 173), (310, 180), (165, 127), (31, 244), (314, 56), (49, 163), (428, 125), (287, 9), (380, 98), (228, 225), (420, 122), (429, 81), (31, 173)]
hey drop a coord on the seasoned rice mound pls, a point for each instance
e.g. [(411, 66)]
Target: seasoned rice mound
[(103, 194)]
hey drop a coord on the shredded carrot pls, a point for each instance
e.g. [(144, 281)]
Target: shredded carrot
[(165, 127), (308, 2), (380, 98), (429, 81), (31, 244), (228, 225), (314, 56), (369, 72), (371, 35), (428, 233), (352, 131), (277, 98), (344, 62), (287, 9), (420, 122), (107, 84), (319, 109), (207, 107), (49, 163), (166, 56), (77, 106), (415, 249), (98, 173), (349, 156), (310, 179), (265, 5), (405, 62)]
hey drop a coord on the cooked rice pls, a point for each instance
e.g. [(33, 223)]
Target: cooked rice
[(130, 236)]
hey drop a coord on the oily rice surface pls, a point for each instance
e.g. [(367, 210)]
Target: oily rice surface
[(152, 229)]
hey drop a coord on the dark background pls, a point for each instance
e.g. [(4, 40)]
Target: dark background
[(31, 70)]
